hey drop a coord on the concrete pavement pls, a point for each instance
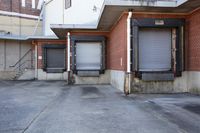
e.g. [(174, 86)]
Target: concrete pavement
[(55, 107)]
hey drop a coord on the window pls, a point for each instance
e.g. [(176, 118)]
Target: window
[(67, 4)]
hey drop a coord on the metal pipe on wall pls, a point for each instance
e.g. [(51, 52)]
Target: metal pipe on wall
[(129, 41), (68, 51), (36, 61), (127, 88), (68, 57)]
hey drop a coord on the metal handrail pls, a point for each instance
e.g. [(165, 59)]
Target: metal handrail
[(23, 64), (21, 58)]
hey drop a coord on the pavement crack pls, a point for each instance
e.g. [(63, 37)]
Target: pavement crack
[(42, 111), (36, 117)]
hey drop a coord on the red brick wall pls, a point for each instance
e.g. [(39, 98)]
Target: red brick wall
[(116, 49), (193, 50), (42, 42), (15, 6)]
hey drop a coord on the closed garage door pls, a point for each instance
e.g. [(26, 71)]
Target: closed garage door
[(88, 55), (55, 58), (155, 49)]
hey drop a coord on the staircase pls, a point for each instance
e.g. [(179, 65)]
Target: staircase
[(24, 67)]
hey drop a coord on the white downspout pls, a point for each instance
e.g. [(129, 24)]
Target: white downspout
[(129, 42), (39, 18), (68, 56), (36, 61), (129, 52), (68, 51)]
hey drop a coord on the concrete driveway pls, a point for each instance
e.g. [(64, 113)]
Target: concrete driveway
[(54, 107)]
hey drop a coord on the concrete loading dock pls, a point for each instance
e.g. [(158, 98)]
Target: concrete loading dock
[(125, 62)]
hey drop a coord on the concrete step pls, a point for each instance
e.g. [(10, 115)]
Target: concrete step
[(8, 75), (28, 74)]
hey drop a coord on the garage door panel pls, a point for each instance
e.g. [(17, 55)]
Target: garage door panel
[(154, 49), (55, 58), (88, 56)]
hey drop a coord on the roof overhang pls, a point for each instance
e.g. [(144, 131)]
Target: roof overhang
[(27, 38), (61, 29), (112, 10)]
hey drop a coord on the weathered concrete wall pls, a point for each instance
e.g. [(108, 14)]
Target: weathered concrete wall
[(194, 82), (117, 79), (42, 75), (7, 75), (10, 53), (20, 18), (19, 26), (102, 79), (2, 54), (28, 74), (179, 85)]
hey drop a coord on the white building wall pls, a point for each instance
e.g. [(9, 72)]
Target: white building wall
[(81, 12), (53, 14)]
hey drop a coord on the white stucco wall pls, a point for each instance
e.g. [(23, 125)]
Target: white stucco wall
[(53, 14), (81, 12)]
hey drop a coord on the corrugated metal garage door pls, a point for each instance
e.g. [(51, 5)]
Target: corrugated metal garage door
[(154, 49), (55, 58), (88, 56)]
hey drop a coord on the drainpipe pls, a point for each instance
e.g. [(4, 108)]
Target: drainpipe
[(129, 42), (128, 78), (36, 60), (39, 18), (68, 55)]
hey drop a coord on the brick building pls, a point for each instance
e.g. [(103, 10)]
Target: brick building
[(137, 46)]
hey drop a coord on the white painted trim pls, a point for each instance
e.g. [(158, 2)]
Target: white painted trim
[(129, 42), (180, 2), (36, 62), (33, 4), (23, 3), (68, 51), (40, 17), (18, 14), (40, 4)]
